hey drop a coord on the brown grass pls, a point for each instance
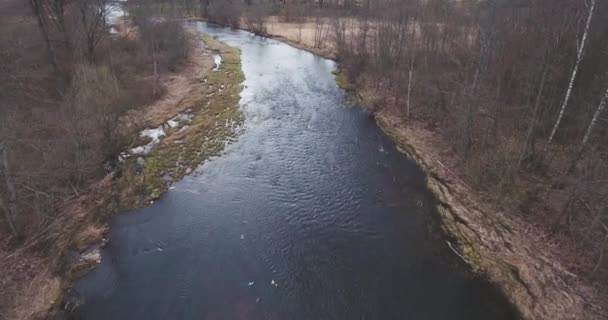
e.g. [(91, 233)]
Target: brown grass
[(180, 88), (90, 235)]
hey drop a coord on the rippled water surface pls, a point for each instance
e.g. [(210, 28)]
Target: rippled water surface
[(311, 214)]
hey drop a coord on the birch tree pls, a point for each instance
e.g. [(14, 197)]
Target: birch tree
[(596, 116), (579, 58), (600, 108)]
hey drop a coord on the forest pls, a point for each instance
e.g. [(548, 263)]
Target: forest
[(514, 90)]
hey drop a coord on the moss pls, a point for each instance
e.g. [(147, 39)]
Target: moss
[(342, 80), (215, 117)]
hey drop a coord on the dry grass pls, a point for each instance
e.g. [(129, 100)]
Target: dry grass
[(290, 33), (180, 87), (90, 235)]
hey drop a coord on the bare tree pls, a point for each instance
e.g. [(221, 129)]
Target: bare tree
[(600, 108), (596, 116), (579, 58), (92, 18), (38, 7), (9, 209)]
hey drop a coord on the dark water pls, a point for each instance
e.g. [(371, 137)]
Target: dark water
[(311, 214)]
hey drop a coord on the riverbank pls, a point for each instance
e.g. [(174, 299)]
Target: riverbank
[(208, 93), (513, 255), (517, 255)]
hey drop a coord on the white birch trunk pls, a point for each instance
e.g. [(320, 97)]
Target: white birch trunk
[(583, 145), (579, 58), (596, 116), (409, 87)]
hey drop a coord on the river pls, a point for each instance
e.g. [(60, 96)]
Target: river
[(311, 214)]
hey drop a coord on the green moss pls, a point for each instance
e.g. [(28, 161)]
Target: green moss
[(342, 80), (213, 122)]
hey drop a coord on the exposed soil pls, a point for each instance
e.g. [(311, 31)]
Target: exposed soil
[(182, 88)]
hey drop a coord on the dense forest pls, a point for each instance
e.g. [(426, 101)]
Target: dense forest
[(517, 90)]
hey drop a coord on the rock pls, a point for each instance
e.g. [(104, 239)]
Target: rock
[(155, 194), (167, 178), (93, 256), (188, 170), (139, 166), (71, 301)]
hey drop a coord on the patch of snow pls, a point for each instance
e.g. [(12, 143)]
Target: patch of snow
[(93, 256), (217, 59), (155, 133)]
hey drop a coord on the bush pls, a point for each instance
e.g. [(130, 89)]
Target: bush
[(94, 95), (227, 12), (166, 41)]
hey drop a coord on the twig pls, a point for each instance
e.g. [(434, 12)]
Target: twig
[(456, 252), (453, 174)]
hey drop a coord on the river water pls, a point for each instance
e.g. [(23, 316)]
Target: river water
[(310, 214)]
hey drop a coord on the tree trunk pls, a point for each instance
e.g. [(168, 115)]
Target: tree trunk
[(409, 87), (529, 143), (596, 116), (579, 58), (583, 145), (10, 209), (40, 15)]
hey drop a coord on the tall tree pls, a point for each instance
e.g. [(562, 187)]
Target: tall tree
[(579, 58), (10, 209), (38, 8)]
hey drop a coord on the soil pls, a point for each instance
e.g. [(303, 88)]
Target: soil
[(181, 88)]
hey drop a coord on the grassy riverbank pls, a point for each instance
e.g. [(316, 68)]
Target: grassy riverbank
[(215, 117)]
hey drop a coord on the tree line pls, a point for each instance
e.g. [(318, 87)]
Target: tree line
[(71, 70)]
